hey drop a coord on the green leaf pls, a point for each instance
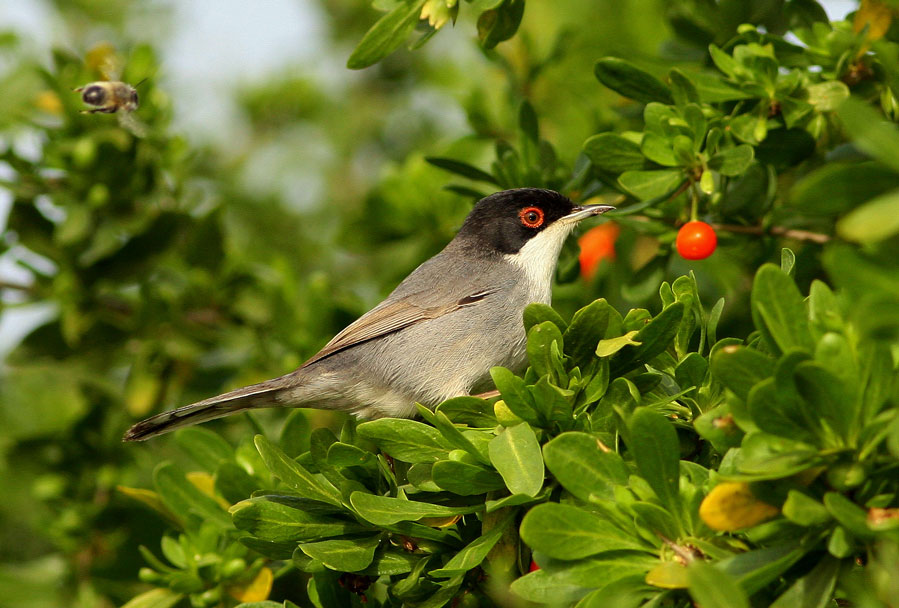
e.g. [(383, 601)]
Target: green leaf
[(406, 440), (656, 450), (295, 434), (725, 62), (682, 89), (828, 95), (784, 148), (659, 149), (465, 479), (154, 598), (455, 437), (473, 411), (515, 395), (343, 555), (804, 510), (579, 462), (655, 338), (182, 497), (386, 35), (346, 455), (610, 346), (713, 89), (295, 476), (516, 455), (537, 312), (527, 121), (234, 483), (756, 569), (712, 588), (614, 153), (567, 582), (777, 410), (566, 532), (588, 326), (830, 397), (474, 552), (740, 368), (732, 161), (647, 185), (874, 221), (814, 590), (462, 168), (849, 514), (778, 310), (274, 519), (540, 354), (870, 131), (499, 24), (385, 510), (630, 81), (205, 447)]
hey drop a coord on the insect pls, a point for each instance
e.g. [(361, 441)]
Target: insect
[(110, 95)]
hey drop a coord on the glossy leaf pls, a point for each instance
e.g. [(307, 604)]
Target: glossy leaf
[(386, 510), (343, 555), (567, 532), (630, 81), (386, 35), (656, 450), (517, 457), (779, 311), (579, 462), (614, 153), (271, 519), (292, 474), (406, 440)]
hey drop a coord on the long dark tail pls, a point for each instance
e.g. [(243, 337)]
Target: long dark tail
[(238, 400)]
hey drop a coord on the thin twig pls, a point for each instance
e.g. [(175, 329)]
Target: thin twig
[(16, 286), (790, 233)]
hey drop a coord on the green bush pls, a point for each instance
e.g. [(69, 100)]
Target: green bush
[(736, 446)]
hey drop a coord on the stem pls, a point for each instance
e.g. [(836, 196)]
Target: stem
[(790, 233), (694, 204)]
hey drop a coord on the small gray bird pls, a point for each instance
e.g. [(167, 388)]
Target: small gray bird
[(440, 331)]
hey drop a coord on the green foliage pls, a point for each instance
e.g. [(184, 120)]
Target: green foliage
[(739, 454)]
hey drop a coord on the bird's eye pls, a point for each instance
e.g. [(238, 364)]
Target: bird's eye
[(531, 217)]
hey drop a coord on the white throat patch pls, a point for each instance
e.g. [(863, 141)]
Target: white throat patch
[(538, 258)]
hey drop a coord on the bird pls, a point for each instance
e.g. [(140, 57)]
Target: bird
[(437, 335)]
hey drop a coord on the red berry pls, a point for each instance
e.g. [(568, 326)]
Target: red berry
[(534, 566), (597, 244), (696, 241)]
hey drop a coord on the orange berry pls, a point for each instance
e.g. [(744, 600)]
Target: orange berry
[(597, 244), (696, 241)]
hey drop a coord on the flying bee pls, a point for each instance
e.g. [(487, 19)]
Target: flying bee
[(109, 97)]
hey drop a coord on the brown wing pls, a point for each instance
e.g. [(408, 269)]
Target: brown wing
[(389, 317)]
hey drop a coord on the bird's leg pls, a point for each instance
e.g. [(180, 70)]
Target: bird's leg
[(487, 395)]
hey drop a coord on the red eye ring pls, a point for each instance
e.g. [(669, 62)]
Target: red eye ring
[(531, 217)]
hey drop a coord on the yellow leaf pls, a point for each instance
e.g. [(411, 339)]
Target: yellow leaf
[(440, 522), (49, 102), (732, 506), (152, 500), (205, 483), (256, 590), (102, 59), (141, 393), (877, 15), (668, 575)]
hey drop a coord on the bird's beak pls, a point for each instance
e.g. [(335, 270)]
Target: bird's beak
[(581, 212)]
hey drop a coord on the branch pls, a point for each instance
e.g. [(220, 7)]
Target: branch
[(790, 233)]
